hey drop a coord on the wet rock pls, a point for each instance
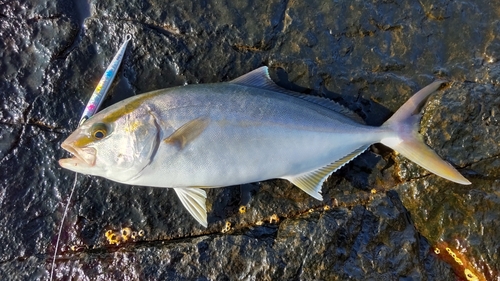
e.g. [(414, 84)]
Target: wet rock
[(368, 56), (377, 241), (437, 206)]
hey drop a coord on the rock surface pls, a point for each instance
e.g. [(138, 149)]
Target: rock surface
[(382, 215)]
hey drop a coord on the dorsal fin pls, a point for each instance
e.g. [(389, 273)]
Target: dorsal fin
[(259, 78), (311, 182)]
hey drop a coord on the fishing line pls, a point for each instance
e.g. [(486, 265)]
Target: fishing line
[(61, 227)]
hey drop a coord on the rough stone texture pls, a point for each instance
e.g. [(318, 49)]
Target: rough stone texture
[(368, 56), (336, 244)]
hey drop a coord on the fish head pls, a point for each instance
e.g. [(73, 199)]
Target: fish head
[(116, 144)]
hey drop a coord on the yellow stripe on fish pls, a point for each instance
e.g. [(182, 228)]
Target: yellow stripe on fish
[(132, 105)]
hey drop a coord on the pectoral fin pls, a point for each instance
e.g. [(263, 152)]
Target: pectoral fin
[(188, 132), (311, 182), (194, 200)]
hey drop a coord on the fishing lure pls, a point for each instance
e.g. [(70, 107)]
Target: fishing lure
[(92, 107), (102, 88)]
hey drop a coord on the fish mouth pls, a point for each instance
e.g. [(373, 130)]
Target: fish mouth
[(83, 157)]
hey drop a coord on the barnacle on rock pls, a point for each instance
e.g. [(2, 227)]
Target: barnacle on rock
[(125, 233), (274, 218), (227, 227), (114, 239), (463, 267), (470, 276)]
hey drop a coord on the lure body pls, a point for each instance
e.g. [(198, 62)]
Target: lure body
[(102, 88)]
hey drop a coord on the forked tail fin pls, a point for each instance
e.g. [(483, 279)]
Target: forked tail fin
[(409, 142)]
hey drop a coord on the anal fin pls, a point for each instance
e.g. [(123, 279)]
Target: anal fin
[(194, 199), (311, 182)]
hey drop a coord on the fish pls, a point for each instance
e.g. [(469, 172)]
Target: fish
[(246, 130)]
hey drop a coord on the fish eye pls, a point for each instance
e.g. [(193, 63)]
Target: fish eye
[(99, 134), (99, 131)]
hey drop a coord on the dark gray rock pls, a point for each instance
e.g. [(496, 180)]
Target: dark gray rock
[(368, 56), (373, 242)]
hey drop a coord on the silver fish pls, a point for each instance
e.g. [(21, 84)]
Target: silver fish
[(245, 130)]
